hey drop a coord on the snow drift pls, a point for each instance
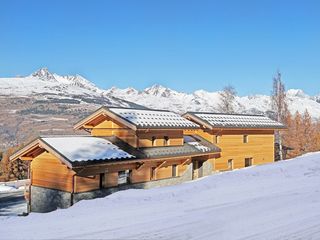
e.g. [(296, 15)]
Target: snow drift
[(275, 201)]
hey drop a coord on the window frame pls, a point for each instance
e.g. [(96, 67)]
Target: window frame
[(166, 141), (230, 161), (127, 175), (245, 138), (174, 170), (153, 141), (250, 161), (217, 139)]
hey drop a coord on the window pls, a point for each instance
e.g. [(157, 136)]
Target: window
[(174, 170), (247, 162), (217, 139), (245, 138), (166, 141), (124, 177), (102, 180), (153, 141), (230, 164)]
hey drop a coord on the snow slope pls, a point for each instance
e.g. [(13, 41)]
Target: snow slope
[(274, 201)]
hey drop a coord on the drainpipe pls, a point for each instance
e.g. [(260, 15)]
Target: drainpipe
[(72, 192), (29, 187)]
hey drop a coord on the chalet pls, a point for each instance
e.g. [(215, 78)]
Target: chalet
[(126, 148), (244, 140)]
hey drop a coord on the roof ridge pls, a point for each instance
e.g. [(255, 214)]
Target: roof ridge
[(140, 109), (231, 114), (69, 135)]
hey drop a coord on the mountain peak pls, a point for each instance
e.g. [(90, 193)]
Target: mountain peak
[(43, 74), (159, 90), (296, 93)]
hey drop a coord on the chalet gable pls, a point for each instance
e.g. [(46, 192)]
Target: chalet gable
[(73, 150)]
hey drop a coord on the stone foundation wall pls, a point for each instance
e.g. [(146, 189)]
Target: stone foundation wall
[(47, 200), (207, 168)]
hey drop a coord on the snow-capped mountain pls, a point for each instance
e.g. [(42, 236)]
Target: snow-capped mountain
[(48, 103), (45, 85), (158, 96)]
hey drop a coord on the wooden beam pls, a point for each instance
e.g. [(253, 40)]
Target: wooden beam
[(140, 165), (26, 158), (185, 162), (87, 126), (161, 164)]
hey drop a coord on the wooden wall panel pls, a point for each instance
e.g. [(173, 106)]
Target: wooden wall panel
[(84, 184), (260, 147), (141, 175), (145, 138), (164, 172), (48, 171), (111, 179)]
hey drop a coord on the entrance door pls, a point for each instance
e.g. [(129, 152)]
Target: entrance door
[(194, 169), (247, 162), (197, 169)]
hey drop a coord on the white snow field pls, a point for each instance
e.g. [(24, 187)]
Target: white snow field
[(274, 201)]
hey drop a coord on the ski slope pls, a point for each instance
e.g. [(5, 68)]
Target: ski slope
[(274, 201)]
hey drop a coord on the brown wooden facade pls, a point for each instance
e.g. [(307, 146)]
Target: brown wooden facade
[(240, 145)]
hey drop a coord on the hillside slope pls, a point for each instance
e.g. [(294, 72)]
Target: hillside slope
[(46, 103), (274, 201)]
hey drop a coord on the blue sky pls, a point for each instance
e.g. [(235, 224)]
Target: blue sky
[(185, 45)]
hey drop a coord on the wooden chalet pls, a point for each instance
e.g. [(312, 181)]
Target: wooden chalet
[(126, 148), (244, 140)]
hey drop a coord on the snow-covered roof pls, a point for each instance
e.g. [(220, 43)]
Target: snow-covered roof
[(193, 142), (86, 148), (236, 120), (147, 118)]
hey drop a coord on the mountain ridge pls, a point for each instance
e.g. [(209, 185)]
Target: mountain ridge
[(155, 96)]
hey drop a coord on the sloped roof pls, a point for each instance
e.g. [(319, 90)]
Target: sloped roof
[(194, 145), (219, 120), (141, 118), (149, 118), (78, 149), (74, 150)]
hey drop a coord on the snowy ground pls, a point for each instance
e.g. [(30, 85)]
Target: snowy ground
[(274, 201), (12, 203)]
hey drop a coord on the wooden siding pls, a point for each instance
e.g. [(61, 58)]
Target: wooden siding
[(145, 138), (48, 171), (111, 179), (140, 138), (111, 128), (260, 147), (85, 184)]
